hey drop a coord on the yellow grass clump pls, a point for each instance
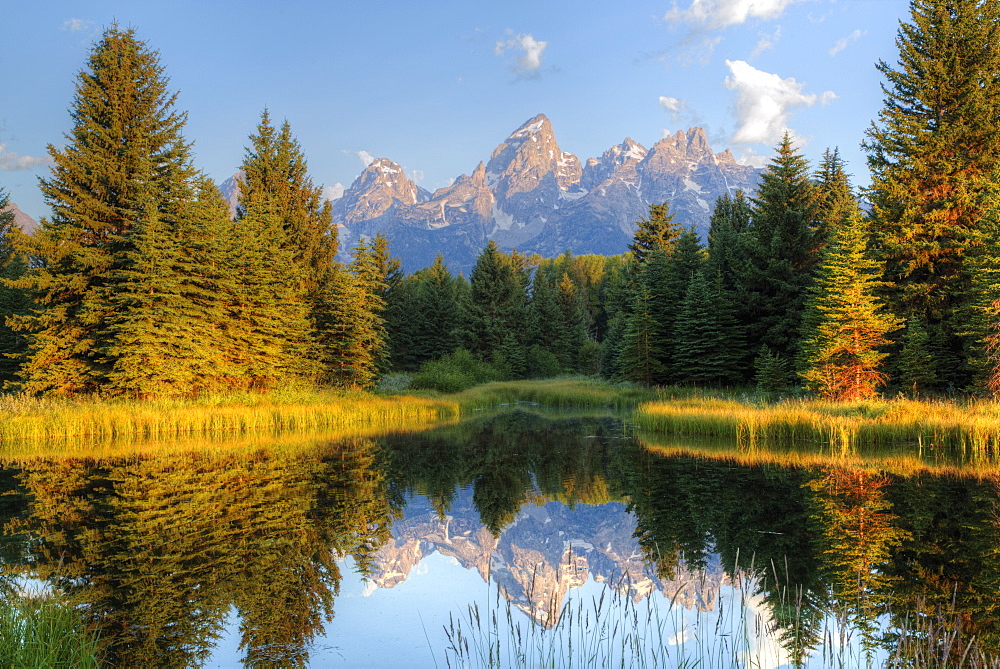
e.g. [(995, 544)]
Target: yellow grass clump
[(25, 419), (972, 426)]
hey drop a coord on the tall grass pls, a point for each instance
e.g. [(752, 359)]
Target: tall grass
[(734, 628), (33, 420), (970, 427), (42, 632)]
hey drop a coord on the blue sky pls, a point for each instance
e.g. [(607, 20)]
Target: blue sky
[(436, 86)]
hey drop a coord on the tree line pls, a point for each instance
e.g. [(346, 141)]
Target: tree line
[(142, 283)]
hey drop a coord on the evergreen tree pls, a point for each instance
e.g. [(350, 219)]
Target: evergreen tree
[(268, 324), (276, 188), (983, 315), (780, 252), (641, 353), (497, 301), (930, 152), (571, 333), (917, 371), (125, 161), (727, 265), (707, 348), (440, 310), (357, 348), (844, 328), (13, 301), (658, 231), (728, 224), (683, 263)]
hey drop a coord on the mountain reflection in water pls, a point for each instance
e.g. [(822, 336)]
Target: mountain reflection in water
[(241, 557)]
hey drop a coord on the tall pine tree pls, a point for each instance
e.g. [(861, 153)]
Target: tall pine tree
[(932, 149), (125, 162), (780, 251), (844, 328), (13, 301)]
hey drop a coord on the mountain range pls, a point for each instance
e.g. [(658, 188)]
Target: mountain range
[(533, 196)]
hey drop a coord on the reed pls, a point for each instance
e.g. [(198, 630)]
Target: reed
[(31, 420), (735, 628), (40, 631), (972, 427)]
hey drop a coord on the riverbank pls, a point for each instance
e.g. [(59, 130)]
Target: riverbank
[(745, 418)]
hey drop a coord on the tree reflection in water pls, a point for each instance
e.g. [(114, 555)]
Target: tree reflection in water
[(158, 551)]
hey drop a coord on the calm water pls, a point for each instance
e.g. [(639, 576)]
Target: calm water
[(360, 552)]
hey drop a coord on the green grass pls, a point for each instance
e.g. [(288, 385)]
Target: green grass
[(42, 632)]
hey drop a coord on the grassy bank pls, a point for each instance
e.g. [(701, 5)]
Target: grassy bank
[(31, 420), (970, 427)]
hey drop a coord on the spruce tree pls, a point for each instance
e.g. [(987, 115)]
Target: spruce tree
[(440, 311), (726, 264), (571, 335), (707, 347), (844, 328), (125, 161), (355, 341), (931, 151), (13, 301), (983, 313), (917, 371), (728, 224), (268, 323), (658, 231), (497, 300), (780, 245), (640, 357), (276, 188)]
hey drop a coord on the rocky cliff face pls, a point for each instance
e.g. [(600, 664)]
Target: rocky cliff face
[(536, 197), (547, 551), (26, 223)]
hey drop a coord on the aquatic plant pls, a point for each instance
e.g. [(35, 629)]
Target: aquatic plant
[(41, 631)]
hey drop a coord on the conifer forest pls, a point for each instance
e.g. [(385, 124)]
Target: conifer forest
[(143, 282)]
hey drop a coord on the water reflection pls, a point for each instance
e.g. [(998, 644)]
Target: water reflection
[(161, 551)]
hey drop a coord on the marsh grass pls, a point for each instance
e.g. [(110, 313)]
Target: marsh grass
[(39, 631), (733, 629), (972, 427), (29, 420)]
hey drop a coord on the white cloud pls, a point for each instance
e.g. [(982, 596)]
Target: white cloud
[(365, 157), (764, 102), (11, 161), (530, 61), (844, 42), (333, 192), (751, 157), (714, 14), (77, 25), (671, 104), (766, 42), (417, 176)]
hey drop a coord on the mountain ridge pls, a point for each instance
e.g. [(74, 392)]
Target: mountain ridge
[(533, 196)]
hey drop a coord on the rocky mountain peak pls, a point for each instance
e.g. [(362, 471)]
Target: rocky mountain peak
[(533, 196), (21, 219), (382, 186)]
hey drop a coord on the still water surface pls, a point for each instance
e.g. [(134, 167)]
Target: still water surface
[(359, 552)]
